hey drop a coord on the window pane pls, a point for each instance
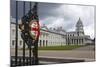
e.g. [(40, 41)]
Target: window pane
[(13, 42)]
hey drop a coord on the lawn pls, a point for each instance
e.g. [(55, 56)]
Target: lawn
[(67, 47)]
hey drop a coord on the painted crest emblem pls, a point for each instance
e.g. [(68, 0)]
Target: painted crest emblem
[(34, 29)]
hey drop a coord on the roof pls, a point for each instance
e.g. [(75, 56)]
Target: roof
[(79, 23)]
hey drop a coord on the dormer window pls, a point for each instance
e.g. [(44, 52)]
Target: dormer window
[(13, 31)]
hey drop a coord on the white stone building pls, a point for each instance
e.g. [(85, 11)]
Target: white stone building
[(78, 36), (55, 37)]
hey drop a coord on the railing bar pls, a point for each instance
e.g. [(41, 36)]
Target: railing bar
[(36, 53), (30, 47), (23, 40), (36, 42), (16, 45)]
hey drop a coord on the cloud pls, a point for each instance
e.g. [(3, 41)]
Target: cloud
[(90, 30), (67, 16), (54, 15)]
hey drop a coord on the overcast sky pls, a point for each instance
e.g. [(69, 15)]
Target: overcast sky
[(65, 15)]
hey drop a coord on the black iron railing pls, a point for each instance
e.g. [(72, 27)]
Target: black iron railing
[(23, 60)]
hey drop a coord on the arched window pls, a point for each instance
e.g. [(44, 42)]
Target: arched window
[(73, 34), (20, 42), (13, 42), (72, 41), (43, 42), (40, 43), (70, 35), (13, 31), (82, 41), (46, 42), (77, 41)]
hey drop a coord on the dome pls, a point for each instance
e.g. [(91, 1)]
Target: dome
[(79, 23), (79, 26)]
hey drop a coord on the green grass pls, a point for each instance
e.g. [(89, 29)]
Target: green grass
[(67, 47)]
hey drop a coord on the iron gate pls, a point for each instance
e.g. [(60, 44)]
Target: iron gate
[(24, 60)]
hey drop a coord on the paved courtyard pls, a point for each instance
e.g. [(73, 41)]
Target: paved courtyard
[(86, 53), (79, 53)]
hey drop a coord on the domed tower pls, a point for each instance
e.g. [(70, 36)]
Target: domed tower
[(79, 28)]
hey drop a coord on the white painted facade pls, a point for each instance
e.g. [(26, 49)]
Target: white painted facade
[(54, 37)]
